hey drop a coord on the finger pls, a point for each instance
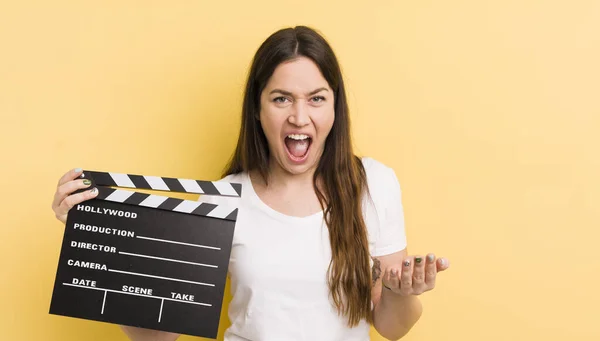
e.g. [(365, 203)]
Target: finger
[(67, 189), (442, 264), (391, 279), (430, 271), (75, 199), (418, 276), (70, 175), (395, 278), (406, 276)]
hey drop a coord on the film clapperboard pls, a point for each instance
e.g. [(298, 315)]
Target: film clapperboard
[(145, 260)]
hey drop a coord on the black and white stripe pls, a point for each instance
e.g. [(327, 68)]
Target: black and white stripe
[(167, 203), (165, 184)]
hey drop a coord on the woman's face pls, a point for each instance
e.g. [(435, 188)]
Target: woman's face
[(297, 113)]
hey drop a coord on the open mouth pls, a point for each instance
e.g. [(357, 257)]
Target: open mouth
[(297, 146)]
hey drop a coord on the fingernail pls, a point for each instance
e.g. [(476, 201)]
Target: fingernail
[(418, 259), (407, 262), (430, 257), (394, 272), (87, 182), (78, 170), (444, 262), (94, 190)]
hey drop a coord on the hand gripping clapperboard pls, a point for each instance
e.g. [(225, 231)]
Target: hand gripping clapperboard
[(147, 260)]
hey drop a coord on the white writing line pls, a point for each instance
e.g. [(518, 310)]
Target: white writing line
[(167, 259), (134, 294), (103, 302), (160, 277), (181, 243), (160, 313)]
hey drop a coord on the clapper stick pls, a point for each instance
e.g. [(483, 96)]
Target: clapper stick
[(146, 260), (105, 180)]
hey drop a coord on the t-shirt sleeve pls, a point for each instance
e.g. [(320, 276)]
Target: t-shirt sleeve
[(392, 235)]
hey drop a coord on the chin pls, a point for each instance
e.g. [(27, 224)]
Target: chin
[(297, 168)]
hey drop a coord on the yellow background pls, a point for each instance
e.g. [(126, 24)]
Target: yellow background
[(489, 111)]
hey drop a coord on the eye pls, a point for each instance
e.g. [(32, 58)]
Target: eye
[(318, 99), (280, 99)]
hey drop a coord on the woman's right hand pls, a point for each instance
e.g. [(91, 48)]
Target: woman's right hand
[(64, 200)]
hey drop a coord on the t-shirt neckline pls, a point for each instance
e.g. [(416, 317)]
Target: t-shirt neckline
[(249, 189)]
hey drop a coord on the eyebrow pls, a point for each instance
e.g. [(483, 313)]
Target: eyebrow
[(287, 93)]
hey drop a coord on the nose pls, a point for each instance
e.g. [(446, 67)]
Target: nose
[(299, 115)]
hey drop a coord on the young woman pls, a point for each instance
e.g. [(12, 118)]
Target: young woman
[(319, 251)]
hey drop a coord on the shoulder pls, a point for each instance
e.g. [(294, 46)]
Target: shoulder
[(372, 165), (380, 177), (234, 178)]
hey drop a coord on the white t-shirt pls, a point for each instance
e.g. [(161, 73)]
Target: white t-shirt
[(278, 263)]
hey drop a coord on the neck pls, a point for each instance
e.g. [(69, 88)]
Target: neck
[(280, 179)]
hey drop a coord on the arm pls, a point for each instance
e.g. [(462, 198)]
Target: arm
[(141, 334), (393, 314), (398, 279)]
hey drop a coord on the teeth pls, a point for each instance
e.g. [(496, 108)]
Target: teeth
[(297, 136)]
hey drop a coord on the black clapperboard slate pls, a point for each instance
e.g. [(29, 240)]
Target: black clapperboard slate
[(146, 260)]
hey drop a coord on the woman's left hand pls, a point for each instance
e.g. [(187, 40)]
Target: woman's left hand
[(415, 275)]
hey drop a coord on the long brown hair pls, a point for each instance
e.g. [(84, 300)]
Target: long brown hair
[(341, 173)]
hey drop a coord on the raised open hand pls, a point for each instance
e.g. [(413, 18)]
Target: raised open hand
[(415, 275)]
